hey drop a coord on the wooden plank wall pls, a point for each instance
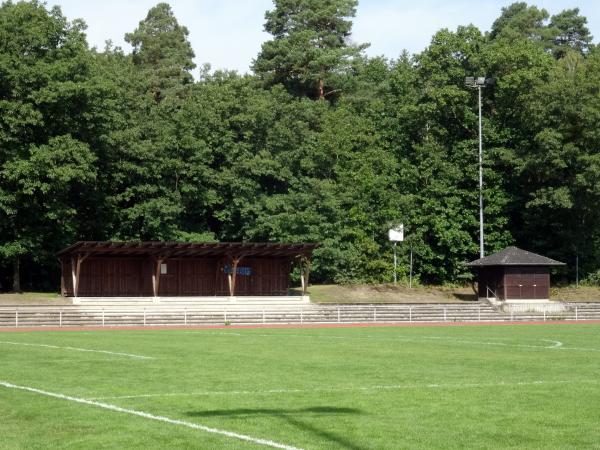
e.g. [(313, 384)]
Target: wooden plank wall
[(188, 277), (115, 277), (527, 283), (132, 277), (269, 276)]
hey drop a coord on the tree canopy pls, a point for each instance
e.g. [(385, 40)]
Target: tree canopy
[(320, 143)]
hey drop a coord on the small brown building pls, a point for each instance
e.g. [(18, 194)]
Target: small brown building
[(170, 269), (514, 274)]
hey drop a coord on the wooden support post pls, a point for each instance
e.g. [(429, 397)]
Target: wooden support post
[(74, 276), (306, 275), (229, 276), (76, 270), (153, 282), (63, 287), (156, 277), (232, 276)]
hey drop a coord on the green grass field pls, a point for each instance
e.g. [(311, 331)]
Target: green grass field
[(484, 387)]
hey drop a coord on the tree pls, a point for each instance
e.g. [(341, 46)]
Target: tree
[(520, 20), (571, 32), (45, 117), (109, 145), (441, 203), (45, 189), (161, 48), (310, 45), (557, 168), (151, 152)]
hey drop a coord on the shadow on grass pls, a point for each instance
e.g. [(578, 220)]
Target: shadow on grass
[(465, 297), (272, 412), (288, 415)]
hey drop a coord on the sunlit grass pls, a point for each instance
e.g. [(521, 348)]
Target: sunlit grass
[(356, 388)]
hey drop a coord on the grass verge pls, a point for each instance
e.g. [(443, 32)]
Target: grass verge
[(389, 293)]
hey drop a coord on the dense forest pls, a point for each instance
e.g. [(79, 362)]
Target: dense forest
[(318, 143)]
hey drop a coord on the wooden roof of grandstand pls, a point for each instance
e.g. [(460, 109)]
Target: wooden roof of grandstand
[(187, 249)]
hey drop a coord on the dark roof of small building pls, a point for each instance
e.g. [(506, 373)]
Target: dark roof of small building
[(187, 249), (514, 256)]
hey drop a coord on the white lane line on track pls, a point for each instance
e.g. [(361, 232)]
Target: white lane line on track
[(146, 415), (352, 388), (77, 349)]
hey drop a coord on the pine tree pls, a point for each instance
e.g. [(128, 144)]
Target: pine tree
[(310, 46)]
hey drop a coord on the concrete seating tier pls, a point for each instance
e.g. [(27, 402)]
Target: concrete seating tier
[(243, 314), (200, 302)]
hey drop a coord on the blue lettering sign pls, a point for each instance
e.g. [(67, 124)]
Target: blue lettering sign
[(244, 271)]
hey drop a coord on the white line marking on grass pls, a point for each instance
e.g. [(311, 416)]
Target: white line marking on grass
[(500, 344), (146, 415), (351, 388), (557, 344), (581, 349), (77, 349)]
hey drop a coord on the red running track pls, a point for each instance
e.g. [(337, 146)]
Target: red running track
[(319, 325)]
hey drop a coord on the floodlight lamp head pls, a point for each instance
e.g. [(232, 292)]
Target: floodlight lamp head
[(476, 82)]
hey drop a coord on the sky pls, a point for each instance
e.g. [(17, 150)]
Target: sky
[(228, 33)]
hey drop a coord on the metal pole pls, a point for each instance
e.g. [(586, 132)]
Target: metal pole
[(481, 250), (577, 269), (395, 264), (411, 269)]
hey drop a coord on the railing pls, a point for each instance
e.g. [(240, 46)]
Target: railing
[(148, 316)]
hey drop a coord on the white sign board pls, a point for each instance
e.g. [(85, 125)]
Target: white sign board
[(396, 234)]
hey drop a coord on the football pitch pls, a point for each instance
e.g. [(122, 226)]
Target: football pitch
[(513, 386)]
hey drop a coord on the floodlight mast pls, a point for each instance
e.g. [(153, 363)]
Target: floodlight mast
[(478, 83)]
